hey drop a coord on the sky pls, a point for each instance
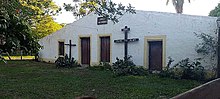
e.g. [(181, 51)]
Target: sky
[(196, 7)]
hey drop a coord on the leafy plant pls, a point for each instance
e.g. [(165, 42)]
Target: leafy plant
[(101, 66), (185, 69), (207, 48), (2, 58), (191, 69), (105, 65), (124, 67), (66, 62), (167, 71), (169, 62)]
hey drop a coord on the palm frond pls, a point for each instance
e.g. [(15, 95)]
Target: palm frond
[(167, 2), (174, 3), (178, 4)]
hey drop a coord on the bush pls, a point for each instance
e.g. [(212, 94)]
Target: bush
[(185, 69), (124, 67), (2, 58), (138, 71), (66, 62), (105, 65), (191, 70), (167, 72), (101, 66)]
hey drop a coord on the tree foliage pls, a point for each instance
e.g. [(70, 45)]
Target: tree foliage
[(109, 10), (46, 26), (35, 10), (178, 4), (208, 47), (37, 13), (39, 16), (30, 10), (15, 31), (215, 12), (80, 8), (18, 35)]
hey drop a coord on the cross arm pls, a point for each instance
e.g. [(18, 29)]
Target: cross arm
[(70, 45), (128, 40)]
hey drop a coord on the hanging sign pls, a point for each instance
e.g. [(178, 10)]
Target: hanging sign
[(102, 20)]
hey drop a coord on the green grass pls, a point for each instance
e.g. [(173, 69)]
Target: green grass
[(28, 79)]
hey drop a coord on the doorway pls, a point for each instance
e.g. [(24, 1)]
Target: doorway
[(105, 49), (85, 51), (155, 55)]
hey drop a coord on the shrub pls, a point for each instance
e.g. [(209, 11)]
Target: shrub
[(191, 69), (101, 66), (124, 67), (2, 58), (167, 72), (207, 47), (138, 71), (66, 62), (185, 69)]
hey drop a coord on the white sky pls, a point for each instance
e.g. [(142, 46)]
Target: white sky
[(196, 7)]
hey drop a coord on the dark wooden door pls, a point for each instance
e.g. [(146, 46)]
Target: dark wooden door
[(105, 49), (155, 55), (61, 48), (85, 51)]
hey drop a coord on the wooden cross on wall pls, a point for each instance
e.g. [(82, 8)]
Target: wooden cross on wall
[(125, 41), (70, 45)]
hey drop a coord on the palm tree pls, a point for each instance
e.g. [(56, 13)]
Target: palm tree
[(178, 4)]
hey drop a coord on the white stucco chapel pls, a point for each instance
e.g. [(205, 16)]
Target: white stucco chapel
[(152, 37)]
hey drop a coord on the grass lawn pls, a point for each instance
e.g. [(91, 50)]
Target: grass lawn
[(28, 79)]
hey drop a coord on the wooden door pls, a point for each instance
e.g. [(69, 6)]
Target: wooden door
[(61, 48), (155, 55), (85, 51), (105, 49)]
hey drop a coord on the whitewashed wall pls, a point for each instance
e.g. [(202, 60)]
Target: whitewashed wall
[(179, 30)]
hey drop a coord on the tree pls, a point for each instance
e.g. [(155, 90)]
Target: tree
[(35, 10), (23, 22), (30, 10), (18, 35), (46, 26), (178, 4), (39, 16), (15, 31), (215, 12), (80, 8), (109, 10)]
